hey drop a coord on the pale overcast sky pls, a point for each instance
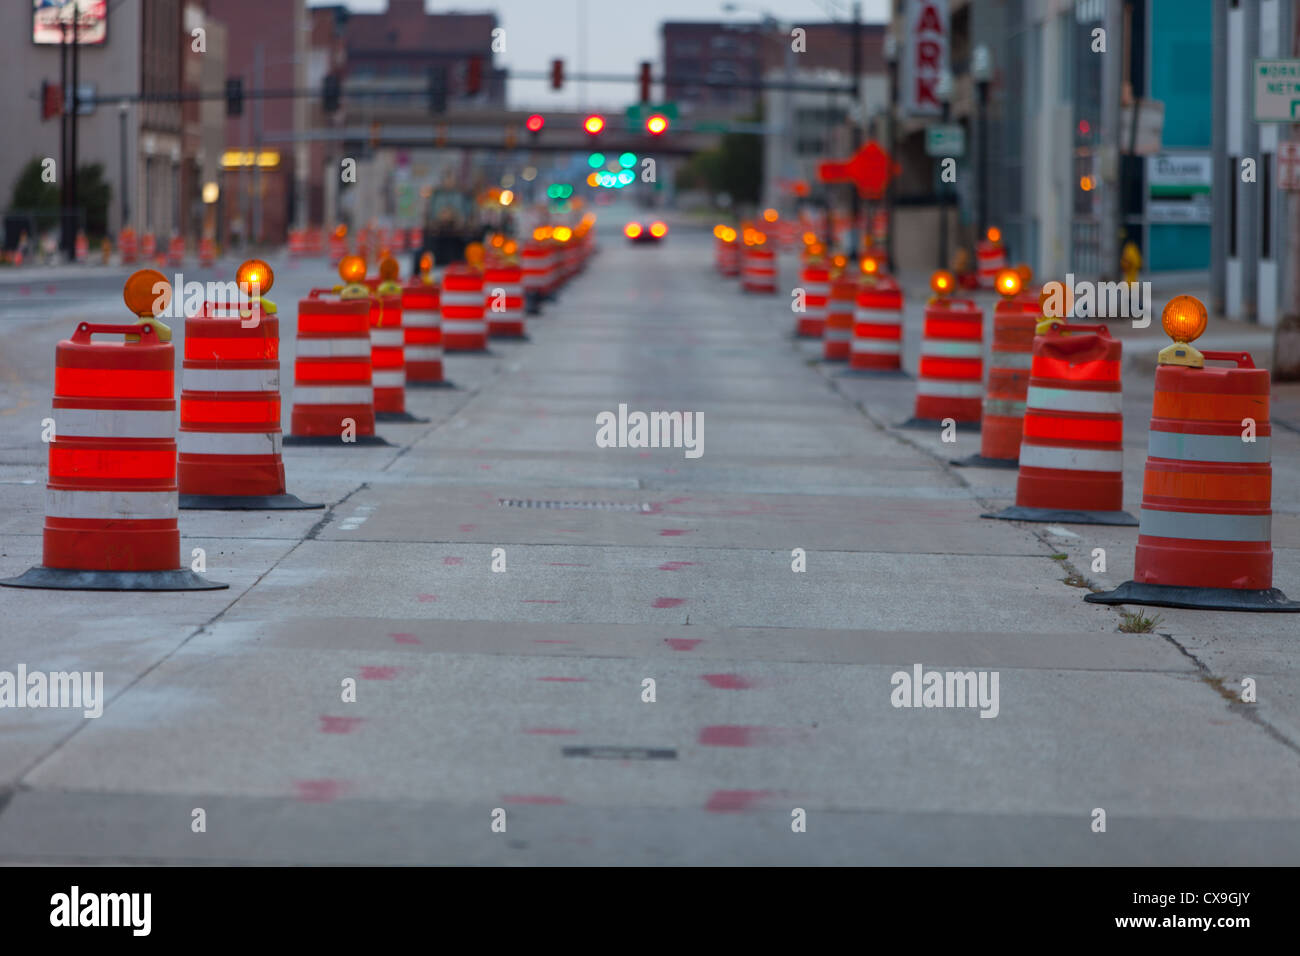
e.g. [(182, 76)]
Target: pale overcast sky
[(619, 35)]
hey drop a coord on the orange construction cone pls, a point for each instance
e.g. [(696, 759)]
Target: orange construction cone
[(230, 439), (111, 502), (333, 392), (950, 377), (1205, 535), (1014, 321), (1071, 449)]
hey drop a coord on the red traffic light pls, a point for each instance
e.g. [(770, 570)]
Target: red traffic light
[(594, 124), (656, 123), (535, 123)]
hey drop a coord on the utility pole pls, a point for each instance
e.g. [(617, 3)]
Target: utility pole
[(855, 60), (71, 171), (1112, 73), (1286, 334), (1248, 202), (65, 239), (891, 55), (1221, 175)]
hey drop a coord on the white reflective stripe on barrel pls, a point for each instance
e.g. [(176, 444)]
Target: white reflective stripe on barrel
[(386, 338), (357, 347), (1180, 447), (948, 388), (389, 379), (512, 291), (230, 380), (422, 353), (951, 348), (821, 289), (836, 334), (113, 423), (877, 346), (1070, 459), (467, 327), (1000, 406), (1000, 359), (228, 443), (879, 316), (420, 320), (467, 297), (1075, 400), (333, 395), (120, 505), (1202, 526)]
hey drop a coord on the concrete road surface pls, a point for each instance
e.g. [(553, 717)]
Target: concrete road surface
[(645, 678)]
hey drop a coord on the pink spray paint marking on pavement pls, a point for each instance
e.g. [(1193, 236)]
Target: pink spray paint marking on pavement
[(735, 801), (426, 598), (379, 673), (674, 532), (676, 565), (550, 731), (740, 735), (338, 725), (682, 643), (728, 681), (669, 602), (318, 791), (450, 560), (565, 680), (405, 638)]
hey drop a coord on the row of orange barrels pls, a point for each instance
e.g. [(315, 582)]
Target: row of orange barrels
[(1051, 407), (147, 249), (120, 469)]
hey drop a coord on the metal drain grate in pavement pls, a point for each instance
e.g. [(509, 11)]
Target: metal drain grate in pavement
[(641, 508)]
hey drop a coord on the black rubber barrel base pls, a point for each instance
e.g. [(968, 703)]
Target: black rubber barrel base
[(284, 502), (63, 579), (320, 441), (873, 373), (510, 337), (443, 384), (979, 461), (1064, 516), (938, 423), (1196, 599), (399, 417)]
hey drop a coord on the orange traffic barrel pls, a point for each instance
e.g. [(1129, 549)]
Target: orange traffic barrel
[(148, 246), (1071, 447), (464, 328), (111, 503), (991, 258), (388, 345), (127, 245), (758, 270), (503, 291), (297, 244), (422, 325), (207, 252), (338, 247), (536, 259), (333, 389), (1205, 531), (1015, 319), (81, 247), (950, 376), (229, 440), (877, 344), (416, 237), (816, 281), (838, 330), (176, 251)]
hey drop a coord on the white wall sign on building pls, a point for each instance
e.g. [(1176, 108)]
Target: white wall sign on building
[(1178, 187), (924, 56), (1277, 91)]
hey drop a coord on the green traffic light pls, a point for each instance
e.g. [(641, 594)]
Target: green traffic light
[(596, 160), (627, 160)]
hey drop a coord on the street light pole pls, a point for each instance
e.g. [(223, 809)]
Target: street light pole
[(943, 89), (856, 66), (891, 56), (981, 70), (122, 109)]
